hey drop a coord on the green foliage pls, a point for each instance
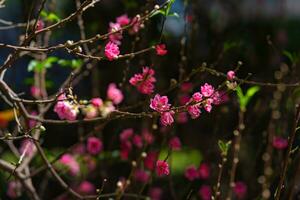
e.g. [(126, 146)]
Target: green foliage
[(230, 45), (35, 65), (224, 147), (74, 63), (245, 99), (292, 56), (38, 66), (182, 159), (51, 17), (165, 11)]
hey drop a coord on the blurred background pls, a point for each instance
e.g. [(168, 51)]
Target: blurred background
[(262, 34)]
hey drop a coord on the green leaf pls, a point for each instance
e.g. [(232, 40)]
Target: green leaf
[(224, 147), (293, 57), (182, 159), (244, 99), (74, 63), (32, 65), (52, 17)]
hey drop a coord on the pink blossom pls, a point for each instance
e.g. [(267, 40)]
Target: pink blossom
[(107, 108), (136, 25), (137, 141), (155, 193), (35, 91), (97, 102), (197, 97), (125, 149), (191, 173), (141, 176), (116, 37), (207, 90), (204, 171), (40, 25), (94, 145), (194, 111), (28, 146), (208, 104), (86, 187), (90, 162), (114, 94), (66, 110), (205, 192), (111, 51), (182, 117), (69, 161), (144, 81), (150, 159), (166, 118), (184, 99), (160, 103), (162, 168), (31, 122), (186, 87), (14, 189), (279, 142), (240, 190), (175, 144), (91, 112), (147, 136), (230, 75), (126, 134), (123, 20), (161, 49), (79, 149)]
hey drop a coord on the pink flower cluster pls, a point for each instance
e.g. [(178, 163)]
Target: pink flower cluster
[(71, 163), (192, 173), (161, 105), (144, 82), (128, 138), (205, 98), (66, 109)]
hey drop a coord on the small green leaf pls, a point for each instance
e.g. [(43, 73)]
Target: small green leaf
[(244, 99), (224, 147)]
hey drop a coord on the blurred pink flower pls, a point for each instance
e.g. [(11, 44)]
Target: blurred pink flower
[(150, 159), (175, 144), (123, 20), (69, 161), (86, 188), (230, 75), (94, 145), (191, 173), (194, 111), (137, 140), (279, 142), (114, 94), (141, 176), (182, 117), (28, 146), (204, 171), (155, 193), (186, 87), (161, 49), (116, 37), (97, 102), (240, 189), (205, 192), (14, 189), (126, 134), (147, 136)]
